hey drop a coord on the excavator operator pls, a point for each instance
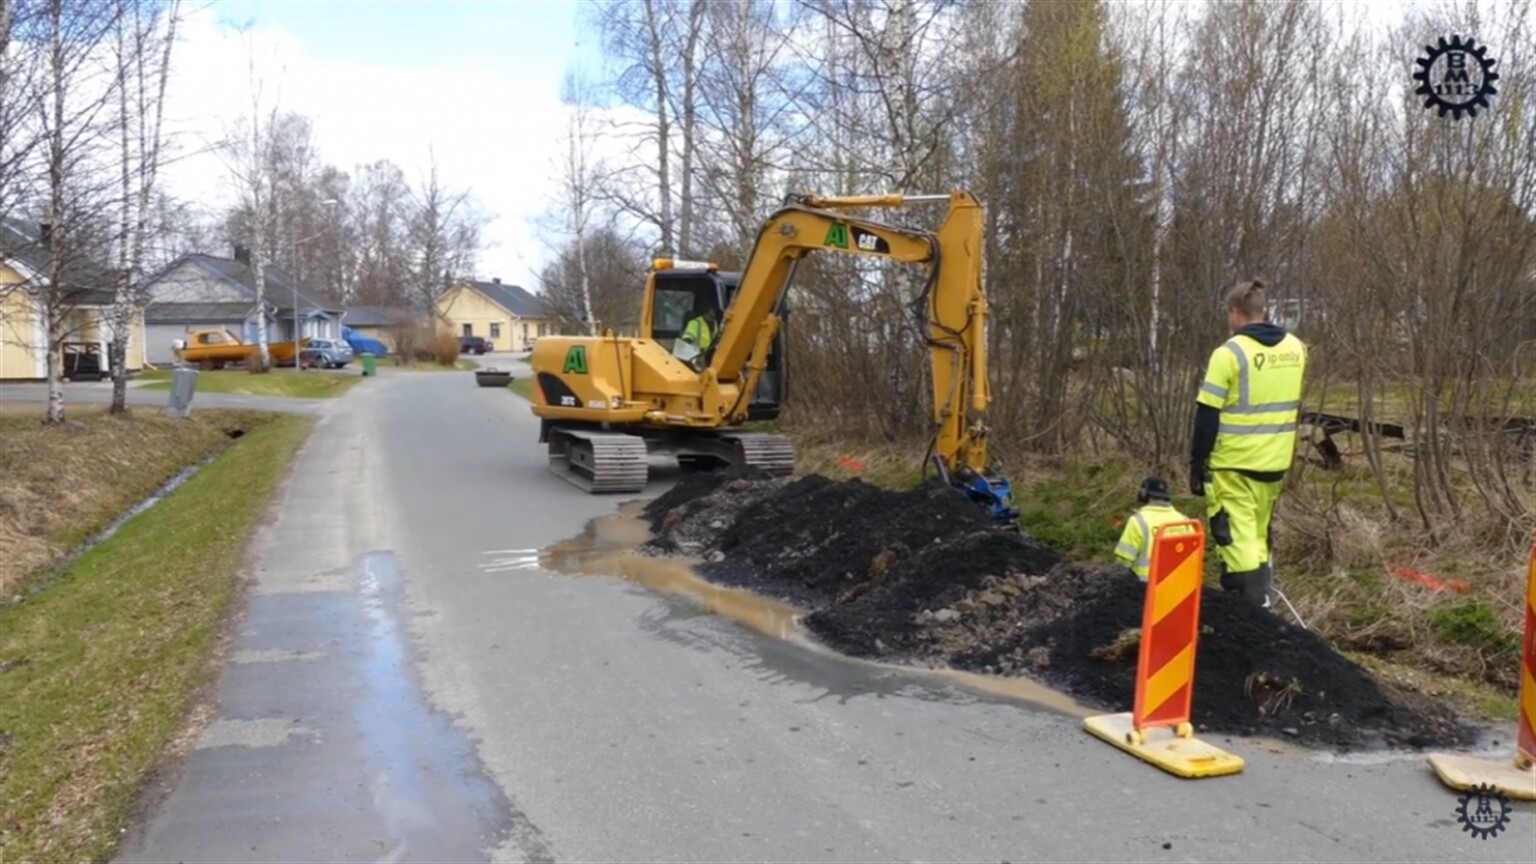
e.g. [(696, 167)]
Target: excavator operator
[(700, 330)]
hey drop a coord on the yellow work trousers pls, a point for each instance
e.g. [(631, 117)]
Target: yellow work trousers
[(1239, 509)]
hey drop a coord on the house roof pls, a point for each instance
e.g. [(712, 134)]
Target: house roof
[(279, 284), (513, 298), (87, 283), (371, 316), (198, 313)]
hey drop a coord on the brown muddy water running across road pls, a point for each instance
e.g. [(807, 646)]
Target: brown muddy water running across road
[(609, 547)]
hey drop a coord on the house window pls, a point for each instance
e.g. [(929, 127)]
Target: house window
[(495, 331), (541, 328), (469, 329)]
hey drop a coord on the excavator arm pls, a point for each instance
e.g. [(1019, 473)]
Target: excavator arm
[(951, 308)]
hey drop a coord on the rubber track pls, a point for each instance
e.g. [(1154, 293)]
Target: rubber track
[(772, 453), (618, 462)]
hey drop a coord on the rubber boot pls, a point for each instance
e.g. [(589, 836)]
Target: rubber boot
[(1242, 581), (1256, 586), (1230, 581)]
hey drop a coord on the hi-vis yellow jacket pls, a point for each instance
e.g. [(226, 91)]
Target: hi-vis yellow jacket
[(697, 331), (1257, 388), (1135, 546)]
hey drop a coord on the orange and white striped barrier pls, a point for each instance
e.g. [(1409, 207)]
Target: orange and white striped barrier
[(1517, 777), (1165, 668)]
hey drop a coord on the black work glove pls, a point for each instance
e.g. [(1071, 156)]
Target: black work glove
[(1197, 480)]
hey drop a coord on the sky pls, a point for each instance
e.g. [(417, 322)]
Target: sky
[(475, 84)]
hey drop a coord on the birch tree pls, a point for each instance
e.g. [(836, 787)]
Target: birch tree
[(72, 123), (580, 175), (145, 36), (250, 162)]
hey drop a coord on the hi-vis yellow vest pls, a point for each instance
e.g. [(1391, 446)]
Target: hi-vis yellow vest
[(1135, 546), (1258, 390), (697, 331)]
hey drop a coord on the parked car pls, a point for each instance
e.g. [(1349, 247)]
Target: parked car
[(325, 354), (473, 345)]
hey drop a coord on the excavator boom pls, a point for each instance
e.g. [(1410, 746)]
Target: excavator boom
[(663, 393)]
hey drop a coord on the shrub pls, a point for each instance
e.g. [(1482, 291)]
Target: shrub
[(445, 349)]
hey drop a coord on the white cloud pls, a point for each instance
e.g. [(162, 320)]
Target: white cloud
[(494, 130)]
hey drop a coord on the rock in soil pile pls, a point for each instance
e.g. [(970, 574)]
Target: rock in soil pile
[(922, 576)]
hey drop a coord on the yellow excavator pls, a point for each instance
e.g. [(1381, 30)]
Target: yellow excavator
[(605, 402)]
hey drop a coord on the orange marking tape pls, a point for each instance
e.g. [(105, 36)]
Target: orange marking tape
[(1170, 628)]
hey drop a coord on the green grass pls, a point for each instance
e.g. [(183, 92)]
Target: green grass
[(522, 387), (96, 669), (1482, 701), (61, 484), (289, 383)]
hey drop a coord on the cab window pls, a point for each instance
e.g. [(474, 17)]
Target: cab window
[(673, 309)]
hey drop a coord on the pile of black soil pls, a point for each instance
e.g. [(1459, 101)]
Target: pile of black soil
[(923, 576), (883, 622), (817, 542), (695, 485), (689, 517), (1255, 673)]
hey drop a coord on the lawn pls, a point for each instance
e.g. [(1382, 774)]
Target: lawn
[(290, 383), (61, 484), (97, 664), (522, 387)]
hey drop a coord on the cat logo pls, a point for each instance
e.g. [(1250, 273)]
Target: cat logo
[(869, 241)]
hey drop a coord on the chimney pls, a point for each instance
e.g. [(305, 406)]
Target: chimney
[(496, 280), (243, 255), (45, 234)]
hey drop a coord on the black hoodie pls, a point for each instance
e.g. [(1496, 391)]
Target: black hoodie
[(1208, 419)]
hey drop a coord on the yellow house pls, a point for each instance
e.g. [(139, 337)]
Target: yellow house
[(507, 316), (23, 332)]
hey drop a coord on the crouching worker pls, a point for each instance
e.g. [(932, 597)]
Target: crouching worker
[(1157, 510)]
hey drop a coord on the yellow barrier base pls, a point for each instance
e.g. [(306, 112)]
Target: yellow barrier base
[(1466, 772), (1181, 757)]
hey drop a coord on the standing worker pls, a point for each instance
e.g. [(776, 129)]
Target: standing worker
[(1157, 510), (1245, 437)]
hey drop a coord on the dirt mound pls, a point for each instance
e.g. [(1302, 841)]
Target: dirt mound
[(817, 542), (923, 576), (690, 516), (883, 620), (1078, 628)]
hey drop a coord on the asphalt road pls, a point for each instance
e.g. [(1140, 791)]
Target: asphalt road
[(397, 694)]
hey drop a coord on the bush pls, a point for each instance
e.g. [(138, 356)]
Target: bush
[(418, 342), (445, 349)]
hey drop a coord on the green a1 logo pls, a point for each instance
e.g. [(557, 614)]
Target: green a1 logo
[(837, 236), (575, 360)]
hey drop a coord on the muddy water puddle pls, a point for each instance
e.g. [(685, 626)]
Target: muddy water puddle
[(608, 547)]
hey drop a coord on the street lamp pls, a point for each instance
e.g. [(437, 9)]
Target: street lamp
[(329, 202)]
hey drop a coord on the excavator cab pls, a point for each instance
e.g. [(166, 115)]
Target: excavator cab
[(679, 291)]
